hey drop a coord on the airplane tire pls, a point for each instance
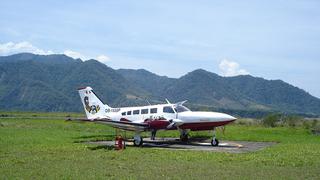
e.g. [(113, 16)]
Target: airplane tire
[(184, 138), (214, 142), (138, 142)]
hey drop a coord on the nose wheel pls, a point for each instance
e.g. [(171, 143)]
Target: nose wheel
[(214, 141)]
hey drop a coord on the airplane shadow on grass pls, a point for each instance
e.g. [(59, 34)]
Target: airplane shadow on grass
[(93, 138), (96, 138), (106, 147), (97, 142), (171, 143)]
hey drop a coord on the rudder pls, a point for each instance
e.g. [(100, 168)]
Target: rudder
[(93, 106)]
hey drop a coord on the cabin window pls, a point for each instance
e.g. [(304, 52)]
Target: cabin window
[(144, 111), (129, 113), (123, 114), (153, 110), (136, 112), (168, 109)]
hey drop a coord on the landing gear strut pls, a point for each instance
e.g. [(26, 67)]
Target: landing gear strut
[(153, 134), (184, 135), (214, 141), (137, 140)]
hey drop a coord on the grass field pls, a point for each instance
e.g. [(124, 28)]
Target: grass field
[(35, 148)]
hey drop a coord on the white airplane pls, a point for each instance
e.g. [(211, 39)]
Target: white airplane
[(152, 118)]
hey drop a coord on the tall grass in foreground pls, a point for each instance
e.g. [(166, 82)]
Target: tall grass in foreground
[(52, 149)]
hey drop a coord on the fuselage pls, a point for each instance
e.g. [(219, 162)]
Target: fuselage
[(153, 117), (161, 116)]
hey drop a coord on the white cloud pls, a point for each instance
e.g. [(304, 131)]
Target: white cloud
[(103, 58), (24, 46), (12, 48), (231, 68), (74, 54)]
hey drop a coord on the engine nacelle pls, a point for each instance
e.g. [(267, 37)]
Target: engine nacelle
[(157, 124)]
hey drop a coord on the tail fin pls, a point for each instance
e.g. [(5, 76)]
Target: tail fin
[(93, 106)]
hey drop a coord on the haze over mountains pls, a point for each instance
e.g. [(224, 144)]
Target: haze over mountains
[(48, 83)]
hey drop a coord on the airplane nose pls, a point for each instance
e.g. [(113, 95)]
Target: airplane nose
[(222, 117), (205, 116), (229, 117)]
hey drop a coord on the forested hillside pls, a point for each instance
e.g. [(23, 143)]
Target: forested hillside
[(48, 83)]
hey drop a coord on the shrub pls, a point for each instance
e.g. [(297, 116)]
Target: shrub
[(306, 124), (314, 123), (271, 120), (292, 121), (246, 122), (316, 129)]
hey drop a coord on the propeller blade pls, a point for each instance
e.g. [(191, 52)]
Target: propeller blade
[(173, 123), (170, 125)]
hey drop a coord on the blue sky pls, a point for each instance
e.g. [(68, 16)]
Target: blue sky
[(272, 39)]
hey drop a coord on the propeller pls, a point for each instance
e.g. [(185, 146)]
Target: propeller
[(181, 103), (173, 123)]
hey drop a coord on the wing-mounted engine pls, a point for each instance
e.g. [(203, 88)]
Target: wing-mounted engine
[(157, 123), (162, 123)]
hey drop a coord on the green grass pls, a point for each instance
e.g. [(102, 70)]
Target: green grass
[(50, 149), (26, 114)]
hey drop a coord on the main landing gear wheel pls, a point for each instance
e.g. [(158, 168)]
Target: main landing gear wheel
[(184, 138), (214, 142), (153, 134), (137, 141)]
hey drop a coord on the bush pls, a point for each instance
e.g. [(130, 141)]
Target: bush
[(306, 124), (314, 123), (292, 121), (247, 122), (316, 130), (271, 120)]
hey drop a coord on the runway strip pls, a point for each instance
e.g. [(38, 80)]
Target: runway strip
[(196, 144)]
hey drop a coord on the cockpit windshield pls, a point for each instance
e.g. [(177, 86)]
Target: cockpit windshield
[(181, 108)]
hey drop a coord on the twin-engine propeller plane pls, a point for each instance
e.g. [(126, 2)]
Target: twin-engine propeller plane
[(152, 118)]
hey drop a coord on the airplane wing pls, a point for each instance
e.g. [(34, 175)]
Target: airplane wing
[(125, 125)]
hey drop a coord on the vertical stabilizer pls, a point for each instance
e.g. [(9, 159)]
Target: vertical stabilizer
[(93, 106)]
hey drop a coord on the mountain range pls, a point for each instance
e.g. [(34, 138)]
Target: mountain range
[(32, 82)]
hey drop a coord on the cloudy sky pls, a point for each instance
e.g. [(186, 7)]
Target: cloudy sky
[(273, 39)]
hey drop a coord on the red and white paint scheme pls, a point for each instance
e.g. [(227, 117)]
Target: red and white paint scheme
[(152, 118)]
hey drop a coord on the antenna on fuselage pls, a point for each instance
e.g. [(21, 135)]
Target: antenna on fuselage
[(168, 101), (148, 102)]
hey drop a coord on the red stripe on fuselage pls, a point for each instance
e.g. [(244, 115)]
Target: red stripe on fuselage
[(125, 120), (199, 126)]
